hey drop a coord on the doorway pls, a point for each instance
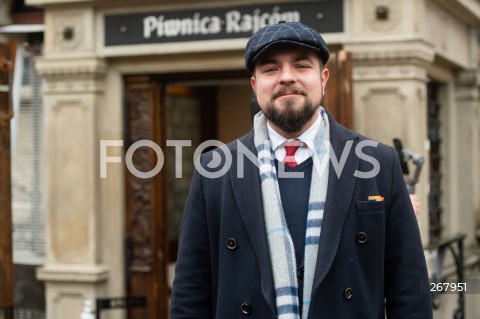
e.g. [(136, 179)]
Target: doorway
[(190, 108)]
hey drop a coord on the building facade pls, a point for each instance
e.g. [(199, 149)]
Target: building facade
[(115, 74)]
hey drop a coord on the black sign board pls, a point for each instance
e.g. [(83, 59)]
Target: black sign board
[(120, 303), (218, 23)]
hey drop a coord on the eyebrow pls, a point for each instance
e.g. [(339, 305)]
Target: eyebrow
[(268, 60), (303, 58)]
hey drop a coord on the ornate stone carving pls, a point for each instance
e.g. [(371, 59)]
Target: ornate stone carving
[(467, 84), (468, 78), (140, 214), (382, 15), (412, 53), (65, 67), (147, 241), (389, 72), (68, 31), (72, 76)]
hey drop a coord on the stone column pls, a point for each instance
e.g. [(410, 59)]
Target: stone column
[(390, 63), (476, 167), (390, 102), (73, 92), (465, 146)]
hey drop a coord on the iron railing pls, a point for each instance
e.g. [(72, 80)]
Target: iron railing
[(455, 246)]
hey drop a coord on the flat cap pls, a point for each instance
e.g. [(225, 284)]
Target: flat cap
[(284, 32)]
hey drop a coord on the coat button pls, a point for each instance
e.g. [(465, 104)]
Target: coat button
[(362, 237), (246, 309), (347, 294), (231, 243)]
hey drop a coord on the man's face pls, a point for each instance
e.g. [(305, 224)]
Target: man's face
[(289, 87)]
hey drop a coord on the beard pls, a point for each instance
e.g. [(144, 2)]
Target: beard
[(288, 118)]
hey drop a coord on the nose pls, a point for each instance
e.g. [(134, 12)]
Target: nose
[(287, 76)]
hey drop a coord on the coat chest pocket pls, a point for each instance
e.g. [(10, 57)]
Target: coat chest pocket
[(370, 220), (370, 206)]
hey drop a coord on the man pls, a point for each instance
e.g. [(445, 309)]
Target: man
[(340, 242)]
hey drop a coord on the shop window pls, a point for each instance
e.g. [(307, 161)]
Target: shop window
[(27, 184), (28, 161), (187, 110), (183, 111)]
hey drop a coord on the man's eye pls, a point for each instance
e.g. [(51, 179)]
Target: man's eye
[(269, 70), (302, 66)]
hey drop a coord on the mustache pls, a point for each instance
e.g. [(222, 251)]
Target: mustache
[(288, 90)]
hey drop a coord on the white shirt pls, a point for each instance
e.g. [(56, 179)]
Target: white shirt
[(303, 152)]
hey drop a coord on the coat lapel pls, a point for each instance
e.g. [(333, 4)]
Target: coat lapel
[(339, 195), (248, 195)]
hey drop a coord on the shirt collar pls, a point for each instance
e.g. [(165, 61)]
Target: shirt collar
[(307, 137)]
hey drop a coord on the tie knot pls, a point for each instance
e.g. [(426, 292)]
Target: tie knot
[(292, 146)]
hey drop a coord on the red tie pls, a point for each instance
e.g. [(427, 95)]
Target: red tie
[(291, 147)]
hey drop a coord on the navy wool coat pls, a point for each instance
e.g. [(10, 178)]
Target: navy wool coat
[(370, 258)]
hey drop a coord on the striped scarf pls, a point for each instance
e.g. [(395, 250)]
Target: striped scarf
[(282, 254)]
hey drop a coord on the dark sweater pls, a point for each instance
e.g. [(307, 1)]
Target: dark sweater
[(295, 193)]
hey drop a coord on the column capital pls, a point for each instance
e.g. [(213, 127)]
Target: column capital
[(467, 86), (391, 53), (62, 67), (468, 78), (396, 60), (72, 76)]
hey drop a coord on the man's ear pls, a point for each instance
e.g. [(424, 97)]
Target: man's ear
[(253, 83), (325, 74)]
